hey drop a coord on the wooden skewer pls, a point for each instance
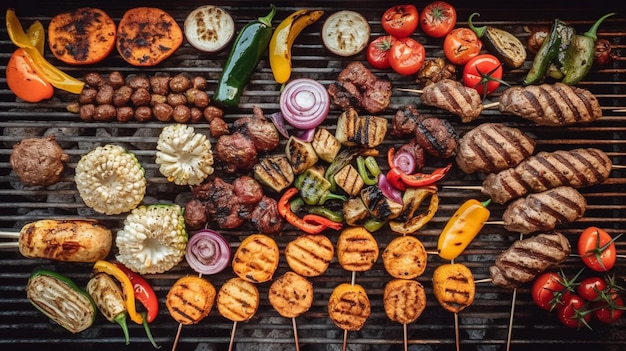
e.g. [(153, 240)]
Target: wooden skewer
[(405, 338), (295, 333), (345, 331), (512, 313), (180, 329), (457, 338), (620, 110), (232, 336), (418, 91)]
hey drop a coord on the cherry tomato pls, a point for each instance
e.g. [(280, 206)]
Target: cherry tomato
[(24, 80), (460, 45), (574, 312), (597, 249), (401, 20), (591, 287), (378, 51), (609, 311), (437, 19), (549, 290), (483, 73), (406, 56)]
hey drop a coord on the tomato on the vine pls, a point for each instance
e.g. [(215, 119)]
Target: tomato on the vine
[(460, 45), (24, 80), (591, 288), (400, 20), (437, 19), (574, 312), (550, 289), (609, 310), (378, 51), (597, 249), (406, 56), (483, 73)]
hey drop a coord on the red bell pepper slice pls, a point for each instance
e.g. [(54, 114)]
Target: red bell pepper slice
[(284, 209), (423, 179)]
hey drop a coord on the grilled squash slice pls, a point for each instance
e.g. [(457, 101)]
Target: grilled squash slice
[(274, 171), (301, 154), (349, 180), (256, 259), (357, 250), (349, 306), (291, 295), (325, 145), (404, 300), (405, 257), (238, 300), (453, 286), (190, 299), (367, 131)]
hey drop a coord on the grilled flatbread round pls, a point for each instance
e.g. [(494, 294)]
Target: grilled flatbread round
[(238, 300), (256, 259), (453, 286), (357, 250), (349, 307), (190, 299), (309, 255), (291, 295), (404, 300), (405, 257)]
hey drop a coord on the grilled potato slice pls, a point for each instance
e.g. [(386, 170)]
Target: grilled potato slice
[(291, 295), (404, 300), (405, 257), (238, 300), (355, 211), (349, 306), (309, 255), (190, 299), (301, 154), (349, 180), (325, 145), (367, 131), (453, 286), (357, 250), (256, 259), (274, 171)]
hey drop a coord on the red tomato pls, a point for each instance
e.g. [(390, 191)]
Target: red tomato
[(483, 73), (597, 249), (24, 80), (378, 51), (437, 19), (549, 289), (590, 288), (574, 312), (406, 56), (609, 311), (460, 45), (401, 20)]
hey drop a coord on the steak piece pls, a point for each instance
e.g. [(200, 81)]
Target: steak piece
[(551, 104), (453, 96), (492, 147), (544, 211), (437, 136), (526, 258), (576, 168)]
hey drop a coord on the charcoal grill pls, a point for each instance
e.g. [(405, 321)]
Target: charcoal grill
[(483, 326)]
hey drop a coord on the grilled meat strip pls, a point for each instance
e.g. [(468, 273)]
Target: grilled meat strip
[(576, 168), (551, 104), (492, 147), (545, 210), (453, 96), (526, 258)]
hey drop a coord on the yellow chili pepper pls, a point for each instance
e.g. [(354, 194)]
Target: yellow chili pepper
[(462, 228), (282, 40), (37, 35), (127, 287), (53, 75)]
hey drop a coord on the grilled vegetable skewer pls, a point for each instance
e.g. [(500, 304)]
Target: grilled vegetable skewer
[(237, 300)]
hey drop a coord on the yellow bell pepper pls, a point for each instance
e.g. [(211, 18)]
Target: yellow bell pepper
[(127, 287), (282, 40), (37, 35), (414, 220), (462, 228), (53, 75)]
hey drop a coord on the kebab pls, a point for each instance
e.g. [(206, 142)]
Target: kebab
[(237, 300)]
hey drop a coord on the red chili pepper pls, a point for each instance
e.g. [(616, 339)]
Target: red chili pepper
[(284, 209), (317, 219), (143, 292), (394, 178), (423, 179)]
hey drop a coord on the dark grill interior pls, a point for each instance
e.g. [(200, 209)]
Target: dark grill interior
[(483, 325)]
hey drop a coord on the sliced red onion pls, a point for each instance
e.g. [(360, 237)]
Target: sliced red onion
[(279, 122), (404, 161), (208, 252), (306, 135), (304, 103), (389, 191)]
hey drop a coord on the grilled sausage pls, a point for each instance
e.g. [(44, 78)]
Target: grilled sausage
[(454, 97), (349, 306), (545, 210), (309, 255), (405, 257), (237, 300), (453, 286), (492, 147), (190, 299), (65, 240), (256, 259), (291, 295), (404, 300), (526, 258), (357, 250), (576, 168), (551, 104)]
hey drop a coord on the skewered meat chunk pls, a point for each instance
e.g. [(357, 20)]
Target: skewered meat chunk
[(576, 168), (544, 211), (526, 258), (437, 136), (453, 96), (551, 104), (492, 147)]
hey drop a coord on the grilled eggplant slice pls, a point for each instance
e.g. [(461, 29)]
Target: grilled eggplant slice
[(367, 131), (301, 154), (274, 171), (325, 145)]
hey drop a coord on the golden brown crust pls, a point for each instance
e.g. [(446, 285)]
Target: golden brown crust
[(349, 307), (256, 259), (357, 250), (190, 299), (453, 286), (404, 300), (405, 257), (291, 295), (309, 255), (238, 300)]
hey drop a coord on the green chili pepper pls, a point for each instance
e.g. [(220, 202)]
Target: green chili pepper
[(373, 224), (366, 166), (252, 41), (579, 55), (547, 53), (314, 188), (110, 300), (327, 213)]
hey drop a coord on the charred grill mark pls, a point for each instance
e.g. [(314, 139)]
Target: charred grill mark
[(441, 149), (569, 97), (545, 93), (533, 101), (572, 174), (550, 167)]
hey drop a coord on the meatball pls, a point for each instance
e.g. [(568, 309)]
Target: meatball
[(38, 161)]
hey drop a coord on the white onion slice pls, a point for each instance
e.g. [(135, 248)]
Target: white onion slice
[(208, 252)]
